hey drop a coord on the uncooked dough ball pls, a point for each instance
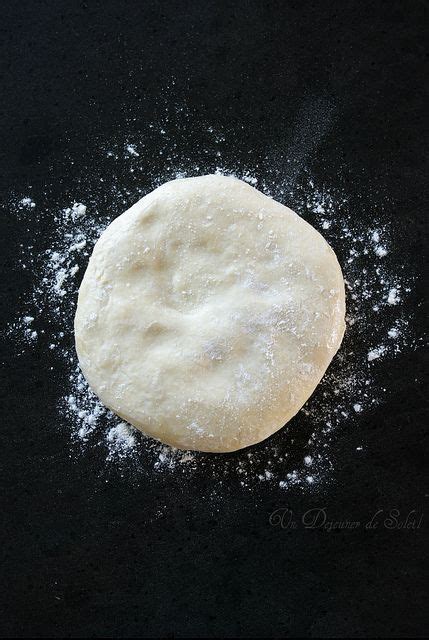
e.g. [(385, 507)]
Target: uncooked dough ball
[(208, 314)]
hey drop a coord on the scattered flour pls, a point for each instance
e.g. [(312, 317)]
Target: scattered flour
[(131, 149), (375, 291), (393, 333), (393, 296), (379, 249), (120, 439), (376, 353), (26, 203)]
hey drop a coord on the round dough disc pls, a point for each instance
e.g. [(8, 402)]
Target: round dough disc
[(208, 314)]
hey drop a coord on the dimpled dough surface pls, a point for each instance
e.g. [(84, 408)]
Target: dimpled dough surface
[(208, 314)]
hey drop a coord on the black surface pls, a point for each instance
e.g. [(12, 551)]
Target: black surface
[(82, 553)]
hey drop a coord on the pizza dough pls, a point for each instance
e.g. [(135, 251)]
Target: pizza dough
[(208, 314)]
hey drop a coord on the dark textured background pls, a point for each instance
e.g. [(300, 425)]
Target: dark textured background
[(83, 556)]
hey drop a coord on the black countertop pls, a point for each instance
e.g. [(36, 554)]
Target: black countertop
[(336, 86)]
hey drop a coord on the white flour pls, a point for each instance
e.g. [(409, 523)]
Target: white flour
[(26, 202), (376, 329)]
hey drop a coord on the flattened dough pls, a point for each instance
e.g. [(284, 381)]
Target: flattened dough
[(208, 314)]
